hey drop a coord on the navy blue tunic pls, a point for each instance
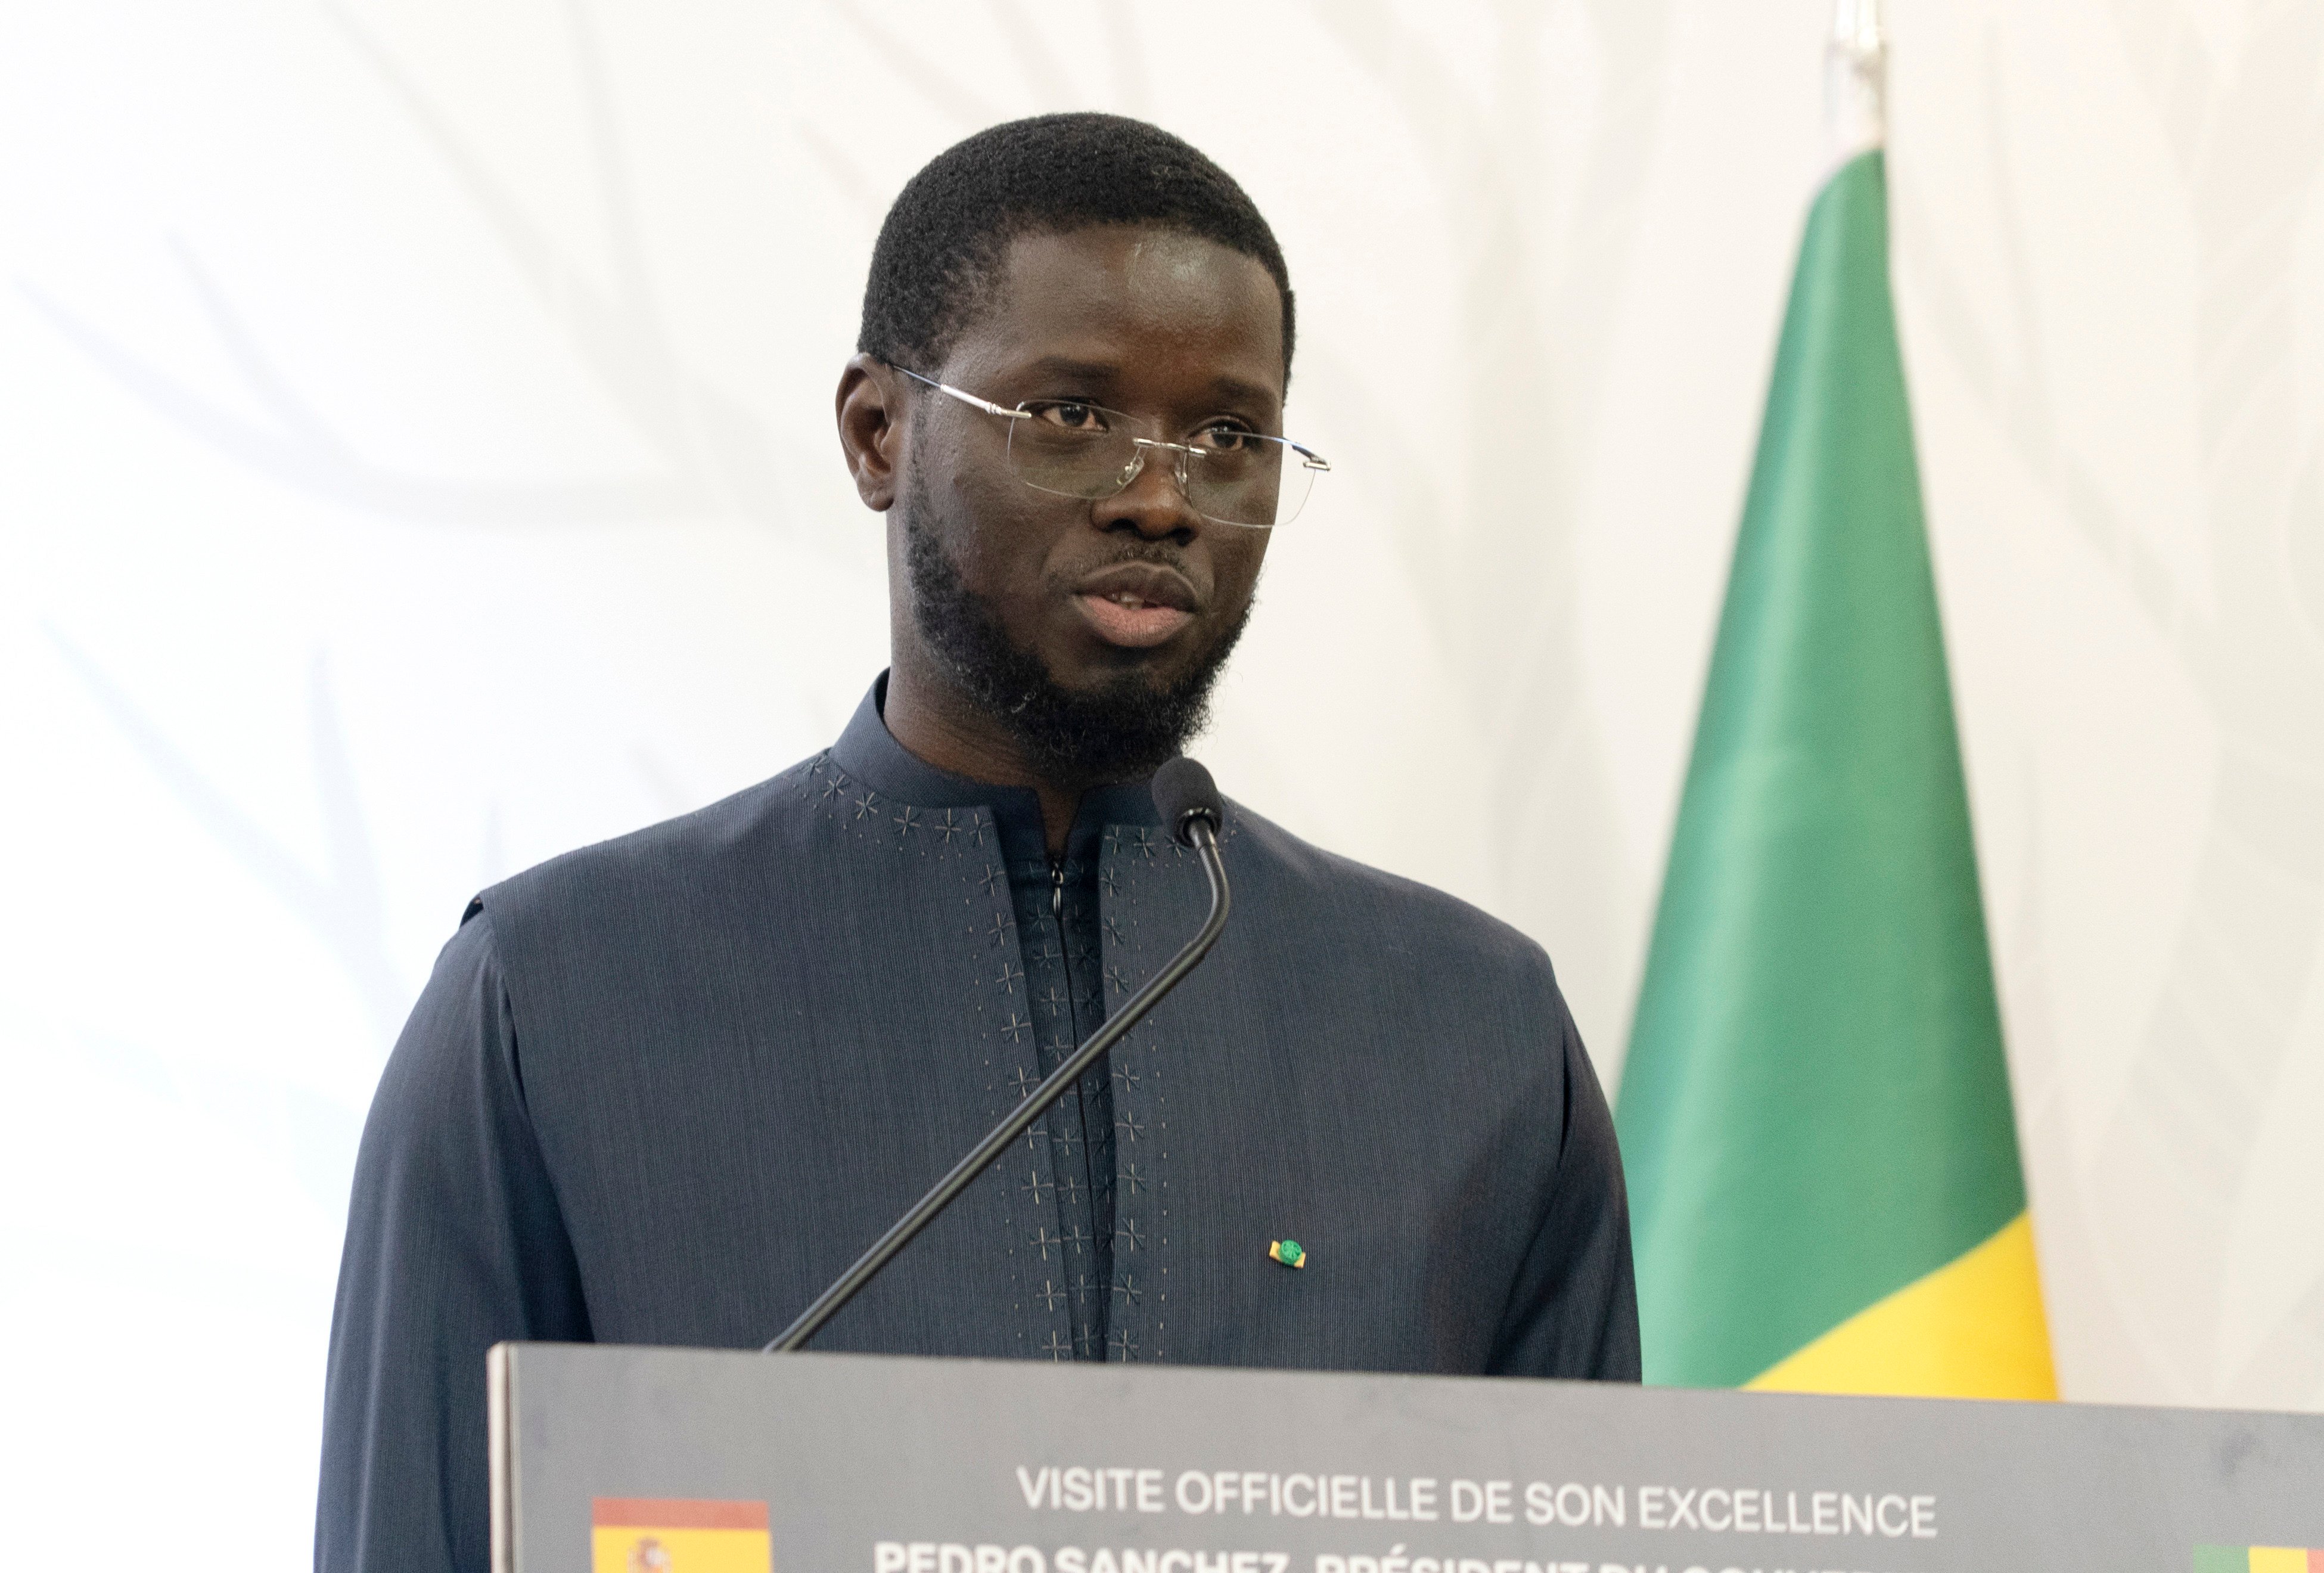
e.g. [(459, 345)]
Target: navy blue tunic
[(1056, 901), (663, 1089)]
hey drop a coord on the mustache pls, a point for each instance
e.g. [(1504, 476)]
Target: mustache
[(1160, 552), (1154, 554)]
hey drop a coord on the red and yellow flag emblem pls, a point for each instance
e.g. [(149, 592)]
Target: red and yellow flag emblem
[(631, 1534)]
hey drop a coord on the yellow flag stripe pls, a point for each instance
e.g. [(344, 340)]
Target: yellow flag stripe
[(641, 1548), (2279, 1560), (1972, 1328)]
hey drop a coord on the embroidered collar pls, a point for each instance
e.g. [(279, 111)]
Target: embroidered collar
[(869, 752)]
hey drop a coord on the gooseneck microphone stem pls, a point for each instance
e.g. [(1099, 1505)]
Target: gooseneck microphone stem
[(1198, 830)]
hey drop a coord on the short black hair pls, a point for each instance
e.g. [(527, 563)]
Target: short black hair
[(943, 238)]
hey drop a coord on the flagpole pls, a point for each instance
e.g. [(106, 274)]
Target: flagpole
[(1855, 80)]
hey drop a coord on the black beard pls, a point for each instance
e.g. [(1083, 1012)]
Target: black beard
[(1121, 730)]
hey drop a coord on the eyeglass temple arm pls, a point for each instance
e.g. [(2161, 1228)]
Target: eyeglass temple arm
[(986, 405), (1308, 456)]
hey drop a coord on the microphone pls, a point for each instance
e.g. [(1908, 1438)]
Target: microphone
[(1187, 796), (1193, 814)]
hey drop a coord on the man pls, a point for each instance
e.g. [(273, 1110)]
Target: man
[(662, 1090)]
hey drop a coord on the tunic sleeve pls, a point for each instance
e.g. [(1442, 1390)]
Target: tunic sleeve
[(454, 1241), (1575, 1310)]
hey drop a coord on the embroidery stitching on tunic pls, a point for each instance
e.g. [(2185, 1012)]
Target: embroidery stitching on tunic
[(847, 804)]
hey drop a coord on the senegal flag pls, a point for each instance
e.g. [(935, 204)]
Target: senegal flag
[(1815, 1113), (2257, 1560)]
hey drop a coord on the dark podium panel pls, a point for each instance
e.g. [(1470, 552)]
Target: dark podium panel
[(640, 1460)]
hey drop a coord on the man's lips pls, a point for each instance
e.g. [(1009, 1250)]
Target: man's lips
[(1134, 626), (1137, 605)]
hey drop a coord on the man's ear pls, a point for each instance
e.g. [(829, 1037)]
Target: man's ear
[(872, 428)]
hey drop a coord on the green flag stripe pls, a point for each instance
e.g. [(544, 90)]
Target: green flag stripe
[(1815, 1110)]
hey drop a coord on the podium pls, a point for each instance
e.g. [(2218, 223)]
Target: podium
[(637, 1460)]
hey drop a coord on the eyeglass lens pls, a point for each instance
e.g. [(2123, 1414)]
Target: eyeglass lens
[(1230, 476)]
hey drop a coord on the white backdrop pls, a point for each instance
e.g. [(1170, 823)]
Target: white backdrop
[(416, 458)]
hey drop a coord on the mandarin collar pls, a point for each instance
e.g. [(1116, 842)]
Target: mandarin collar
[(869, 753)]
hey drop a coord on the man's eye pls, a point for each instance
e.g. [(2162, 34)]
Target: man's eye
[(1071, 416), (1226, 439)]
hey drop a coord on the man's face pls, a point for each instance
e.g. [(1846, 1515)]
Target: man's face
[(1130, 599)]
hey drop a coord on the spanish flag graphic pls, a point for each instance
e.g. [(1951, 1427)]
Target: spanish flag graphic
[(678, 1535), (2257, 1560)]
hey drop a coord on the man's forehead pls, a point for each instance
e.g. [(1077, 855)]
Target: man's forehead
[(1115, 283)]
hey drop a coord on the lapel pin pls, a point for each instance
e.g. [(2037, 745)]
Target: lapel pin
[(1290, 1253)]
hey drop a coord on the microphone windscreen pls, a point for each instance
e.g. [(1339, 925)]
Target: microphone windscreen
[(1183, 790)]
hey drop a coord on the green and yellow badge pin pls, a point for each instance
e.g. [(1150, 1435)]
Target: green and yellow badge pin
[(1290, 1253)]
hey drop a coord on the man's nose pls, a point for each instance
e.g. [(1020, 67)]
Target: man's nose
[(1154, 503)]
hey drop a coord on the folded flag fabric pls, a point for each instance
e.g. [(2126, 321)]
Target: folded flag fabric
[(1815, 1114), (678, 1535)]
